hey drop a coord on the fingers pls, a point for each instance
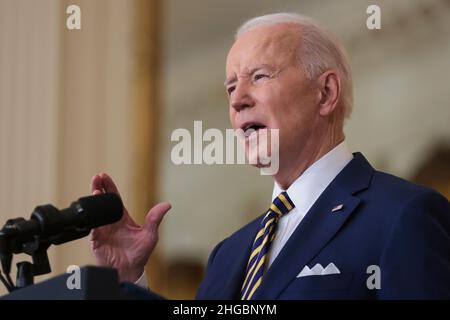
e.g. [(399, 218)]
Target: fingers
[(155, 216), (103, 183), (96, 189), (96, 184), (93, 235), (108, 184)]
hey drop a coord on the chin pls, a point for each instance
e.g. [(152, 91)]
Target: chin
[(258, 164)]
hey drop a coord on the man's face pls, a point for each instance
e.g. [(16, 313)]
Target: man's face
[(267, 88)]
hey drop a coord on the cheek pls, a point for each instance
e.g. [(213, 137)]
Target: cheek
[(286, 112), (278, 107), (298, 107)]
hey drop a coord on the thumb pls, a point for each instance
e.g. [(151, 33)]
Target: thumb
[(155, 216)]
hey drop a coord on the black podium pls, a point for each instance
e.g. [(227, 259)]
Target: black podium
[(95, 283)]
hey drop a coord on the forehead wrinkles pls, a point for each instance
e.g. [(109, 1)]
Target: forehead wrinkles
[(265, 45)]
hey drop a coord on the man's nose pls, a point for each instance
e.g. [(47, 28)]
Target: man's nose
[(241, 98)]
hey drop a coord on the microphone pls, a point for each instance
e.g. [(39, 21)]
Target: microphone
[(48, 225)]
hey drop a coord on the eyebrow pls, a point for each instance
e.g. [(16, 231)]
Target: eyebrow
[(229, 81), (252, 71)]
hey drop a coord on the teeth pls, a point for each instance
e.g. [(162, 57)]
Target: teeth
[(252, 128)]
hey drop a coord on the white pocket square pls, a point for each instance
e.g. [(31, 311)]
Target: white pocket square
[(318, 270)]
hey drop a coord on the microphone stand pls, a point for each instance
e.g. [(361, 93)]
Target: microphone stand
[(36, 247), (41, 264)]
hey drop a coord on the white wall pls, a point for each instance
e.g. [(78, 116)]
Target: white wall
[(29, 108), (65, 108)]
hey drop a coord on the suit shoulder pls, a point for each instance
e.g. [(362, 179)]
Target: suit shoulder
[(396, 189), (394, 199)]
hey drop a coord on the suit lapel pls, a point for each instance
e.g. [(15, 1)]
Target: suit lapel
[(312, 234), (317, 228), (232, 287), (229, 288)]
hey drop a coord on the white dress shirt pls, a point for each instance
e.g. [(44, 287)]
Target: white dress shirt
[(303, 193)]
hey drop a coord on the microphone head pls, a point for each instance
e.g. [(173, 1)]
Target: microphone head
[(99, 210)]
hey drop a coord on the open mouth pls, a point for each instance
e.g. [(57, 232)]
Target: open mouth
[(251, 127)]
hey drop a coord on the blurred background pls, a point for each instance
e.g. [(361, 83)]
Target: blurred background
[(106, 98)]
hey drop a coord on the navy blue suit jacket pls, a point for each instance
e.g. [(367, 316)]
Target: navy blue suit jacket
[(402, 228)]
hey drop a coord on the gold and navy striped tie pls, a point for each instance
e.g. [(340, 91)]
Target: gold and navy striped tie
[(255, 267)]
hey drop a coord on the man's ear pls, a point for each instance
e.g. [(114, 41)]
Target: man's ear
[(330, 91)]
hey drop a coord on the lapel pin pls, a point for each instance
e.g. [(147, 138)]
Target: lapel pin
[(337, 208)]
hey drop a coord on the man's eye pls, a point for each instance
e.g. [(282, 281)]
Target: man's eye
[(230, 90), (260, 76)]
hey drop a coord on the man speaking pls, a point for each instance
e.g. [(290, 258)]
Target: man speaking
[(336, 228)]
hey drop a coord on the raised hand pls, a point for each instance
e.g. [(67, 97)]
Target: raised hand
[(125, 245)]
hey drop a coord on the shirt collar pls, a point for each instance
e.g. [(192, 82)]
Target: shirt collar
[(305, 190)]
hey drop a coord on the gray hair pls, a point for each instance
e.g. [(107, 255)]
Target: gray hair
[(321, 50)]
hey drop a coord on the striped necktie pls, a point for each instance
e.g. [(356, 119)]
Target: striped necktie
[(254, 273)]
